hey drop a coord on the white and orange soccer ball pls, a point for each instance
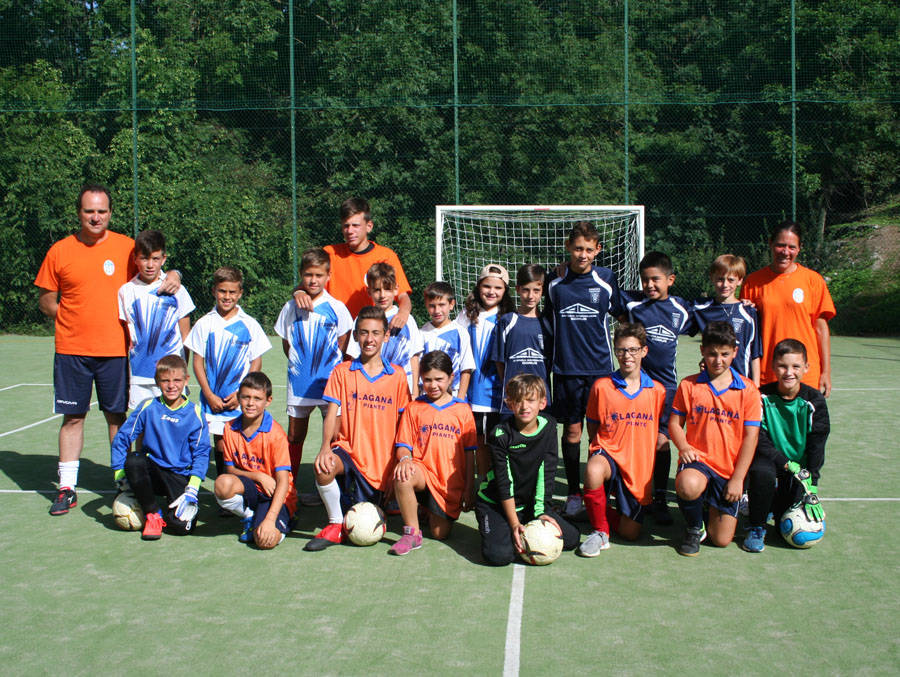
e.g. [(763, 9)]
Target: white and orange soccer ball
[(364, 524), (542, 542)]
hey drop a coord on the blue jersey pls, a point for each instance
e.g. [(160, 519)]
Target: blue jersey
[(227, 348), (175, 438), (578, 305), (523, 345), (745, 321), (453, 340), (664, 321), (313, 352), (484, 392)]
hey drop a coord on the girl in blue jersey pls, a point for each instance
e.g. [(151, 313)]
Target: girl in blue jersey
[(488, 300)]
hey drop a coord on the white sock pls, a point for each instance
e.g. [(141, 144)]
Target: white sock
[(68, 474), (235, 505), (331, 497)]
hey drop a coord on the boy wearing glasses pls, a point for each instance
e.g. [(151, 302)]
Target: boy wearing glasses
[(623, 415)]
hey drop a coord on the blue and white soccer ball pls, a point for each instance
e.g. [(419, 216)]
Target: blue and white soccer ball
[(798, 529)]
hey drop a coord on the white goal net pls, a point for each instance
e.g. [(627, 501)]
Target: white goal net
[(469, 237)]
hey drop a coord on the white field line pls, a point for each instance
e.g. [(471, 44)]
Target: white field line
[(36, 423), (20, 385), (514, 622)]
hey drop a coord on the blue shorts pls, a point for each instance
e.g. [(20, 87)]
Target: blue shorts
[(354, 486), (714, 496), (626, 504), (667, 411), (74, 377), (426, 500), (570, 397), (259, 503)]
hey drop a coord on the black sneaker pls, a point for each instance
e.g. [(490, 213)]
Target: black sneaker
[(660, 511), (65, 499), (690, 546)]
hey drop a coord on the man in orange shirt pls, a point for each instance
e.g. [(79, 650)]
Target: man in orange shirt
[(79, 282), (351, 260)]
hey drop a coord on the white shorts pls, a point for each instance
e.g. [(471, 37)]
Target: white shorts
[(138, 392), (304, 410)]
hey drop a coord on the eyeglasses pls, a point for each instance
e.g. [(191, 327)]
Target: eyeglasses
[(630, 351)]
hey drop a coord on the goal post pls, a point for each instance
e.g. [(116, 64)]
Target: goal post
[(468, 237)]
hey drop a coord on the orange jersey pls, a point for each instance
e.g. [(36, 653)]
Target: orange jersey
[(88, 281), (627, 426), (789, 305), (348, 274), (716, 419), (266, 452), (438, 438), (370, 408)]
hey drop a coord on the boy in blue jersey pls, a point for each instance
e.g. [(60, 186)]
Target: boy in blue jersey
[(173, 457), (314, 342), (443, 334), (727, 275), (227, 344), (403, 345), (577, 305), (157, 323), (524, 339), (664, 318)]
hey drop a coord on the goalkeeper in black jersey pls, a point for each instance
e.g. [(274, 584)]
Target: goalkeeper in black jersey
[(791, 448), (519, 487)]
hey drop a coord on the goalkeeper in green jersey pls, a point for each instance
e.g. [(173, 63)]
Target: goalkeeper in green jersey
[(791, 448)]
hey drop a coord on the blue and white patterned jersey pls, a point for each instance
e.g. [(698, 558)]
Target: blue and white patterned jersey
[(524, 345), (664, 321), (312, 336), (453, 340), (227, 348), (152, 320), (485, 393), (578, 305), (400, 347), (745, 321)]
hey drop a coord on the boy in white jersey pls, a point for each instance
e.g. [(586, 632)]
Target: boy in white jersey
[(157, 323), (314, 342), (403, 346), (443, 334)]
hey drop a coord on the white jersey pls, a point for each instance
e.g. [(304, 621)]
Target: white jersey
[(400, 347), (453, 339)]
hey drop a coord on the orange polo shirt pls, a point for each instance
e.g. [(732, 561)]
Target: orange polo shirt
[(348, 274)]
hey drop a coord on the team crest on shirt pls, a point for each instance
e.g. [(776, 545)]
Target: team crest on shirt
[(109, 267), (528, 356), (579, 312), (660, 334), (676, 319), (797, 295), (595, 295), (737, 323)]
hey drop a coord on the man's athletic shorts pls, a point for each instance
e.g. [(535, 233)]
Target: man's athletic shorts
[(304, 410), (626, 503), (259, 503), (353, 484), (714, 495), (74, 377), (570, 397), (666, 411)]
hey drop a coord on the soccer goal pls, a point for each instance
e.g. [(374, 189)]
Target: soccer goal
[(470, 236)]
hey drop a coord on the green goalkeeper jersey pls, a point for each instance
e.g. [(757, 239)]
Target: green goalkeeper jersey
[(794, 430)]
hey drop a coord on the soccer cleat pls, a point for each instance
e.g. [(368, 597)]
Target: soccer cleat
[(330, 535), (153, 527), (660, 511), (756, 539), (693, 537), (597, 541), (574, 506), (246, 530), (66, 498), (410, 540)]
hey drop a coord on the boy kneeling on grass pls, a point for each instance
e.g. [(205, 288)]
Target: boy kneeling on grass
[(174, 454), (257, 485)]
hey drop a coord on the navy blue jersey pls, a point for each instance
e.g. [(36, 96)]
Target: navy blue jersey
[(578, 305), (524, 346), (745, 321), (664, 320)]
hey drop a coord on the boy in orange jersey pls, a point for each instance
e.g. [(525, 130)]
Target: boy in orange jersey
[(257, 485), (357, 445), (723, 412), (622, 419)]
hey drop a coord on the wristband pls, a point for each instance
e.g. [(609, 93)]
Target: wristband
[(403, 458)]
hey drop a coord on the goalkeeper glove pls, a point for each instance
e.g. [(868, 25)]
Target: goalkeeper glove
[(812, 506), (122, 481), (186, 505), (802, 476)]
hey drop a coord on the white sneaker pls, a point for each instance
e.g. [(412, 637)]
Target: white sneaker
[(596, 542)]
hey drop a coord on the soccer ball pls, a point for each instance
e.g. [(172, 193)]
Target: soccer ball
[(364, 524), (542, 542), (798, 530), (127, 512)]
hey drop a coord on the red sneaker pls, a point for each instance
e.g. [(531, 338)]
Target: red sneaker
[(330, 535), (153, 527)]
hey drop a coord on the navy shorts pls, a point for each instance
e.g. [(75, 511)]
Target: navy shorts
[(714, 496), (259, 503), (74, 377), (485, 421), (570, 397), (626, 503), (426, 500), (355, 488), (666, 411)]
